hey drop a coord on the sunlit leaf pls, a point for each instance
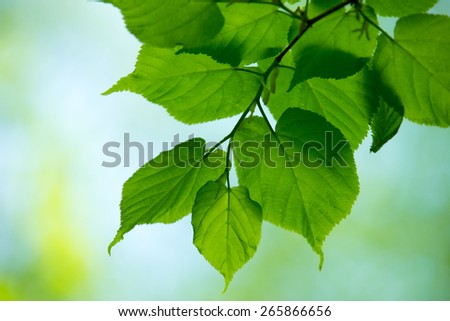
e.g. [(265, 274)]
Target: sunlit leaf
[(163, 23), (193, 88), (326, 76), (401, 8), (308, 184), (164, 189), (249, 34), (347, 103), (227, 227), (416, 66)]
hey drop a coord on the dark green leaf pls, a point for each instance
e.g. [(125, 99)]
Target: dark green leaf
[(193, 88), (416, 66), (163, 23), (227, 227), (385, 124), (163, 190), (308, 184), (317, 7)]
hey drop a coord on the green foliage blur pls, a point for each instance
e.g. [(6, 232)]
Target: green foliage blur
[(59, 206)]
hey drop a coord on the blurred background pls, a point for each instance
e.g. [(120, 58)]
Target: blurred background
[(59, 207)]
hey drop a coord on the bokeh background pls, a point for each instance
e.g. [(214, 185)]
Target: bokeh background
[(59, 207)]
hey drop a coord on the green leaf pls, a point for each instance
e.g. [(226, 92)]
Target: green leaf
[(333, 48), (163, 190), (317, 7), (249, 34), (400, 8), (416, 66), (306, 185), (347, 103), (385, 124), (163, 23), (193, 88), (227, 227)]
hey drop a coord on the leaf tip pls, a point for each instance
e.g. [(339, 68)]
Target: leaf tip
[(109, 91), (322, 258), (225, 287), (121, 85), (227, 280), (117, 239), (110, 246), (374, 147)]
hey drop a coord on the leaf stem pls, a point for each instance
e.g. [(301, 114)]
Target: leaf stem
[(375, 25), (228, 166), (330, 11), (249, 71), (286, 67), (266, 119), (238, 124), (274, 133)]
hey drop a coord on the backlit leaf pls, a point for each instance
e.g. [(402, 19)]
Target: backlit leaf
[(249, 34), (193, 88), (163, 23), (308, 184), (400, 8), (227, 227), (164, 189), (416, 66), (347, 103), (326, 76)]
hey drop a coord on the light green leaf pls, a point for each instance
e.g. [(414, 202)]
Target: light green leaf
[(163, 23), (164, 189), (400, 8), (193, 88), (308, 184), (249, 34), (227, 227), (335, 47), (385, 124), (347, 103), (416, 66)]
